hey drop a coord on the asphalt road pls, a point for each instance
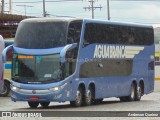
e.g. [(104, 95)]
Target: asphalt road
[(150, 102)]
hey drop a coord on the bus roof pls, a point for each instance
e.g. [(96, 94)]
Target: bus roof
[(117, 23), (65, 19), (68, 19)]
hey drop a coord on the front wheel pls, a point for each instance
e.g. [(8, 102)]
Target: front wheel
[(45, 104), (33, 104), (78, 101)]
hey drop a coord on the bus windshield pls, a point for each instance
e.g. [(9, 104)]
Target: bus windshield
[(36, 69), (41, 35)]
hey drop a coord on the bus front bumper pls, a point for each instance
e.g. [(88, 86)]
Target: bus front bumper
[(55, 94)]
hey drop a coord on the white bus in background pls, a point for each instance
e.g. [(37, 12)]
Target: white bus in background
[(1, 63), (157, 50)]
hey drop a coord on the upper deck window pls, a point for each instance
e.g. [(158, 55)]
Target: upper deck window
[(118, 34), (74, 32), (41, 35)]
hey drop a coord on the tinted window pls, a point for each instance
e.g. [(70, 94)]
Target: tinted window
[(74, 32), (41, 34), (106, 68), (71, 60), (116, 34)]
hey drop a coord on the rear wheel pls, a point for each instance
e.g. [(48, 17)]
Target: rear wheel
[(138, 93), (44, 104), (89, 96), (78, 101), (131, 97), (33, 104)]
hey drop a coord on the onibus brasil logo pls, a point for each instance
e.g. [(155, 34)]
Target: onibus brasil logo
[(104, 51)]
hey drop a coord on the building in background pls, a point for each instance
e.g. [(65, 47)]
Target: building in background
[(9, 24)]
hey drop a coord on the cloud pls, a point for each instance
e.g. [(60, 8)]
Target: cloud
[(136, 11)]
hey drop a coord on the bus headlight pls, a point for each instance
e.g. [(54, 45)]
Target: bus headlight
[(14, 88), (58, 87)]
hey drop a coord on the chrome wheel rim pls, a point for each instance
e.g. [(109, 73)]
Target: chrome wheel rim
[(89, 96), (79, 97), (139, 92), (132, 92)]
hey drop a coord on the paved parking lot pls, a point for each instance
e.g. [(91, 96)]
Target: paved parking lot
[(150, 102)]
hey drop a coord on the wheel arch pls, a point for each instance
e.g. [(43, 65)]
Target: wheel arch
[(82, 85), (93, 87), (7, 81), (134, 82)]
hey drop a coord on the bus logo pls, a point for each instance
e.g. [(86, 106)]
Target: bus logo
[(104, 51), (34, 91)]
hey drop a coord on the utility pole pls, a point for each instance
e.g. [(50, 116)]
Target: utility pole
[(10, 7), (44, 9), (108, 10), (24, 7), (92, 8), (2, 7)]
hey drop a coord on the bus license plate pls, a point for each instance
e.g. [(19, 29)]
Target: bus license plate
[(33, 98)]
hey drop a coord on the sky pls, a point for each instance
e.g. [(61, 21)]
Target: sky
[(138, 11)]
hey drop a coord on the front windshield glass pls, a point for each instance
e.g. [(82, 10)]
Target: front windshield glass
[(41, 35), (29, 69)]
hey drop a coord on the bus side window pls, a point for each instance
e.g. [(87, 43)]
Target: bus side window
[(70, 64), (74, 32)]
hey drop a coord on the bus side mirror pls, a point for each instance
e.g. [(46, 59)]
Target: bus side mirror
[(65, 49), (4, 53)]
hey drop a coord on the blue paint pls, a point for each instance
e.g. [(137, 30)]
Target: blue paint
[(38, 58), (106, 86), (8, 66)]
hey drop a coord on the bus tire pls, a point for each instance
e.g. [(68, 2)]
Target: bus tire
[(138, 93), (131, 97), (45, 104), (6, 91), (33, 104), (79, 98), (89, 96)]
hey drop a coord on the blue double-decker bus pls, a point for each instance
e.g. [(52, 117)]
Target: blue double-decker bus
[(81, 61)]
